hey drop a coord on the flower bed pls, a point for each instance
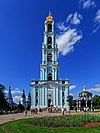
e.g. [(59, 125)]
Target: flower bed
[(65, 121)]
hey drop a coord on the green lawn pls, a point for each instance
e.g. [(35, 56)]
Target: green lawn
[(20, 126)]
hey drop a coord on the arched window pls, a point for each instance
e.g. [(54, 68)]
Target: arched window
[(49, 40), (49, 27), (49, 76), (49, 46), (49, 57)]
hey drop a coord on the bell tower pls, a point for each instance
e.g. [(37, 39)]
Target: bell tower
[(49, 69), (49, 90)]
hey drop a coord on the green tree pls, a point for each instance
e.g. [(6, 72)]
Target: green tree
[(20, 107), (3, 103), (69, 99), (96, 101)]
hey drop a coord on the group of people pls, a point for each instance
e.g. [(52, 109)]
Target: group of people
[(36, 110)]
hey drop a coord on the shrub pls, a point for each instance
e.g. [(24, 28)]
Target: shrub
[(66, 120)]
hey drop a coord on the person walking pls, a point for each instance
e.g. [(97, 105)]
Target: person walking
[(62, 111), (25, 112)]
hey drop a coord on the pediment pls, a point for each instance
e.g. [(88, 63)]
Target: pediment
[(50, 83)]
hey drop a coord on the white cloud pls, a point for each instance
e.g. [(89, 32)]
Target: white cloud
[(67, 40), (95, 89), (61, 26), (26, 98), (6, 91), (72, 87), (16, 99), (98, 85), (70, 94), (97, 21), (15, 91), (74, 18), (87, 3), (67, 36), (97, 18)]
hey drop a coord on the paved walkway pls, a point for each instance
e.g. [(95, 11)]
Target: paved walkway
[(12, 117)]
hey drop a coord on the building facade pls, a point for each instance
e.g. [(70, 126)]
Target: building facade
[(49, 89)]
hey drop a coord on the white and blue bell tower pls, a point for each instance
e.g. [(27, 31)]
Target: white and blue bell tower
[(49, 69), (49, 89)]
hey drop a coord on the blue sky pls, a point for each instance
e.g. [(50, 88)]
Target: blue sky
[(77, 24)]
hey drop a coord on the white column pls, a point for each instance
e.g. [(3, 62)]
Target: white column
[(79, 103), (43, 97), (57, 96), (53, 41), (66, 95), (45, 39), (34, 100), (61, 96), (86, 103), (56, 56), (45, 27), (43, 55), (46, 97), (91, 103), (39, 97), (53, 95), (32, 97), (55, 74)]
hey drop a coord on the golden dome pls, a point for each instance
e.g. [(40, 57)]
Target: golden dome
[(49, 19)]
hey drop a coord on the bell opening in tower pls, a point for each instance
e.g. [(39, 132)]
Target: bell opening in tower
[(49, 57), (49, 27), (49, 77), (49, 46), (49, 40)]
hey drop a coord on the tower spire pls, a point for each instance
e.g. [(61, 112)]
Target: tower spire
[(49, 13), (84, 88)]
